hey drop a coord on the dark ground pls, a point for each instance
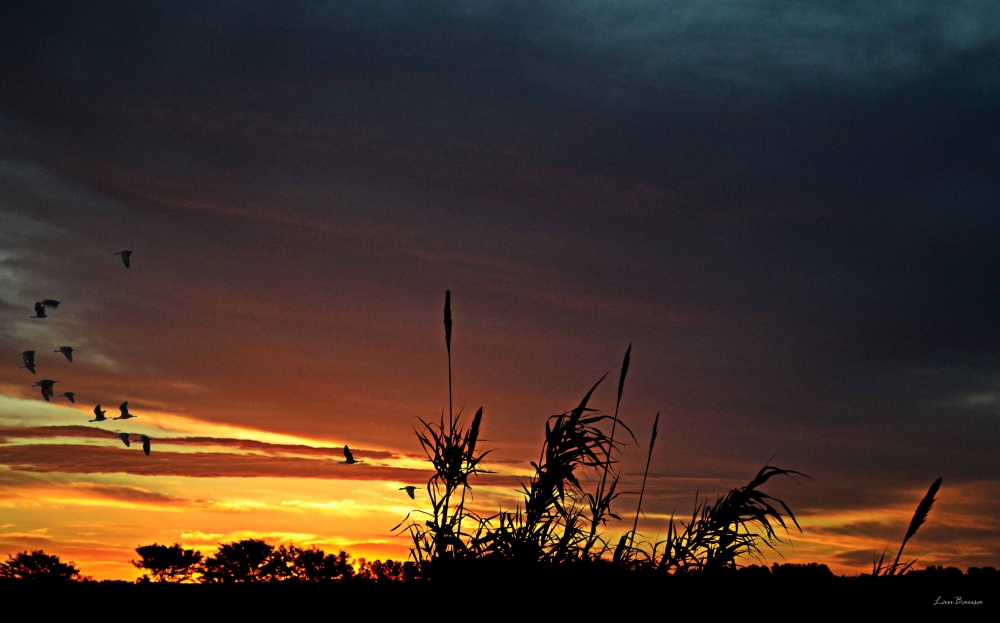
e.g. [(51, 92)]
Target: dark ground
[(524, 595)]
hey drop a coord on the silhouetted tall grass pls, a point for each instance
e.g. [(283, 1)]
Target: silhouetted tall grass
[(736, 525), (645, 474), (551, 525), (600, 502), (919, 517), (557, 521), (453, 454)]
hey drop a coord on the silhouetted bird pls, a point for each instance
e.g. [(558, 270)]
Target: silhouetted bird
[(66, 350), (123, 407), (125, 439), (46, 385), (126, 257), (349, 456), (99, 412), (70, 396), (41, 305), (29, 361), (145, 443), (409, 490)]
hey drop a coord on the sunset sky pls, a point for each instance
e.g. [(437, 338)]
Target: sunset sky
[(790, 210)]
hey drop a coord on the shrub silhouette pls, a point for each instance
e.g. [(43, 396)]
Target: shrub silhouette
[(38, 566), (167, 563), (793, 571), (254, 560), (388, 571), (315, 565), (249, 560)]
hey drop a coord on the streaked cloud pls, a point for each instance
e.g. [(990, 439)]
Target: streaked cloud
[(65, 458)]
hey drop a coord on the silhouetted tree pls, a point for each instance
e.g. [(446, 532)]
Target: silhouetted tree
[(38, 566), (249, 560), (940, 571), (792, 571), (315, 565), (167, 563), (388, 571)]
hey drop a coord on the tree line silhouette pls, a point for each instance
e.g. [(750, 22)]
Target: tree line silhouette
[(244, 561), (255, 561)]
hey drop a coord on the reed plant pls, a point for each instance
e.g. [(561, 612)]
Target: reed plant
[(600, 501), (737, 525), (557, 520), (642, 491), (453, 453), (883, 569), (550, 524)]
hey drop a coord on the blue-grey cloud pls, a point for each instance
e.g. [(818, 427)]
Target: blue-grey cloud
[(791, 205)]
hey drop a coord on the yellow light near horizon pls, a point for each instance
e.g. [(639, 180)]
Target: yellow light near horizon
[(100, 532)]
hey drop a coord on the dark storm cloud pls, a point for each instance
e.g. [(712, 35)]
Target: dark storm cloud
[(789, 207), (775, 95), (838, 160)]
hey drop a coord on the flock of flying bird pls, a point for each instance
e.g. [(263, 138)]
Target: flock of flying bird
[(47, 386)]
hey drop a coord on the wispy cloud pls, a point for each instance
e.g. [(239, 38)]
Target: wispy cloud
[(80, 459), (254, 445)]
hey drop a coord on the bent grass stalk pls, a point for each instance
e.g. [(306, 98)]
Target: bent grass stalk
[(642, 491), (447, 343), (919, 518), (602, 504)]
